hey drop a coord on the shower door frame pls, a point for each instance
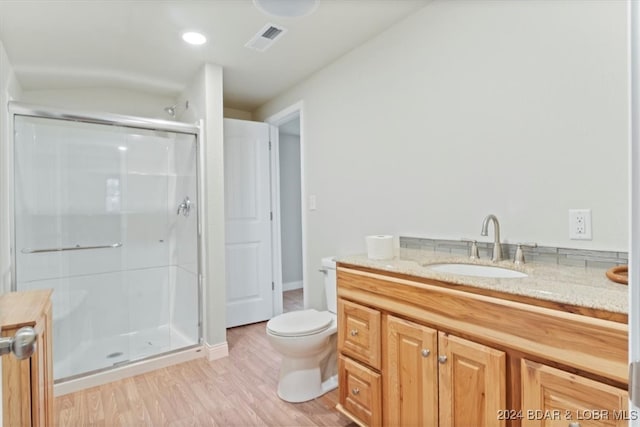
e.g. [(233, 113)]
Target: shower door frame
[(31, 110)]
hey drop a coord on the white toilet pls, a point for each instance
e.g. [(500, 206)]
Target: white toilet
[(307, 341)]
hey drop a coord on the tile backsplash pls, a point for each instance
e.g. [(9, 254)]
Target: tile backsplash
[(543, 254)]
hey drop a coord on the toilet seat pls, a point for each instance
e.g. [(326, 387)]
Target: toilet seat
[(300, 323)]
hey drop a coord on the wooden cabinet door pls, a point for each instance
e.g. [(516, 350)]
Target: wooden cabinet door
[(472, 383), (410, 380), (553, 398)]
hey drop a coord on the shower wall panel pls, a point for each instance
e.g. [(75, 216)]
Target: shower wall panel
[(184, 253)]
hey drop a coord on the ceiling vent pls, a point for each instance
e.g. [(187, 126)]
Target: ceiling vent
[(266, 37)]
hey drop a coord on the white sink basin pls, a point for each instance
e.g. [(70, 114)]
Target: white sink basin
[(476, 270)]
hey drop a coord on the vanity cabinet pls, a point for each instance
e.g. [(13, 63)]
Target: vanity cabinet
[(428, 376), (27, 385), (426, 353)]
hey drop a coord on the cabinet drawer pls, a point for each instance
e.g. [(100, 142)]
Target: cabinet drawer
[(359, 332), (566, 396), (360, 391)]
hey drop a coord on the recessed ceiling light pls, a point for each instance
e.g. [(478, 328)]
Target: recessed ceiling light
[(287, 8), (122, 148), (194, 38)]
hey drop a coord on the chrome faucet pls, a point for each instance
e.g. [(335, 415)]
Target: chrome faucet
[(497, 247)]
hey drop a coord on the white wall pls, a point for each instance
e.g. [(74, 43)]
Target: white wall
[(99, 99), (468, 108), (9, 89), (290, 215), (205, 100)]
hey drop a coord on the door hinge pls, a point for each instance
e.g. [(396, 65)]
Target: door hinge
[(271, 215), (269, 144), (273, 286)]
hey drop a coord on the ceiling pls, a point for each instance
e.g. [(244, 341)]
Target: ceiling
[(136, 44)]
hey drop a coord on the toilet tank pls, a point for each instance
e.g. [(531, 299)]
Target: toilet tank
[(330, 283)]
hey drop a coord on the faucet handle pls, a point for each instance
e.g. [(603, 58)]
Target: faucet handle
[(519, 257), (473, 254)]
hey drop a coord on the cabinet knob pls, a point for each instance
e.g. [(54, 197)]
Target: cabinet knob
[(22, 345), (442, 359), (425, 352), (356, 391), (354, 332)]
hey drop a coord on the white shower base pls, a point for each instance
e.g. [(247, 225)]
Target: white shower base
[(128, 370), (102, 321), (116, 350)]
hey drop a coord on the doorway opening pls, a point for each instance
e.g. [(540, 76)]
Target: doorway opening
[(290, 214), (288, 197)]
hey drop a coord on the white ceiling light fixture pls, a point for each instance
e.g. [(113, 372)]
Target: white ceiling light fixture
[(287, 8), (194, 38)]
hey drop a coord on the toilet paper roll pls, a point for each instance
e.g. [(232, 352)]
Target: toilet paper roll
[(379, 247)]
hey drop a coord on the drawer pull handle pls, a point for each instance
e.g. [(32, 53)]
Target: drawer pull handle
[(355, 391), (425, 352), (354, 332), (574, 424), (442, 359)]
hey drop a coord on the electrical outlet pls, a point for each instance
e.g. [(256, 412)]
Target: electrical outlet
[(580, 224)]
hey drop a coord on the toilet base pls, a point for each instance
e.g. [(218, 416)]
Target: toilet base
[(301, 385), (306, 378)]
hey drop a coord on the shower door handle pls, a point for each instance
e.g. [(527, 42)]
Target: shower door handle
[(184, 207), (70, 248)]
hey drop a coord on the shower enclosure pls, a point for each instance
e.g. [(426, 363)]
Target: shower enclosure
[(105, 212)]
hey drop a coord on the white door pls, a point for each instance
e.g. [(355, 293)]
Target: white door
[(248, 222)]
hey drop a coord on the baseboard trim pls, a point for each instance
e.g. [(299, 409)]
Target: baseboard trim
[(290, 286), (216, 351)]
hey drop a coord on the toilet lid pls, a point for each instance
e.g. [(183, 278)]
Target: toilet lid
[(298, 323)]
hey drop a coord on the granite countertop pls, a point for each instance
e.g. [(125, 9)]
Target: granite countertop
[(584, 287)]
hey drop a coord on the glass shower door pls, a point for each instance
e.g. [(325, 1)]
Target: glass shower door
[(95, 219)]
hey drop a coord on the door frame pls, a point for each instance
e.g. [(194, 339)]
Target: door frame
[(633, 9), (277, 119)]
